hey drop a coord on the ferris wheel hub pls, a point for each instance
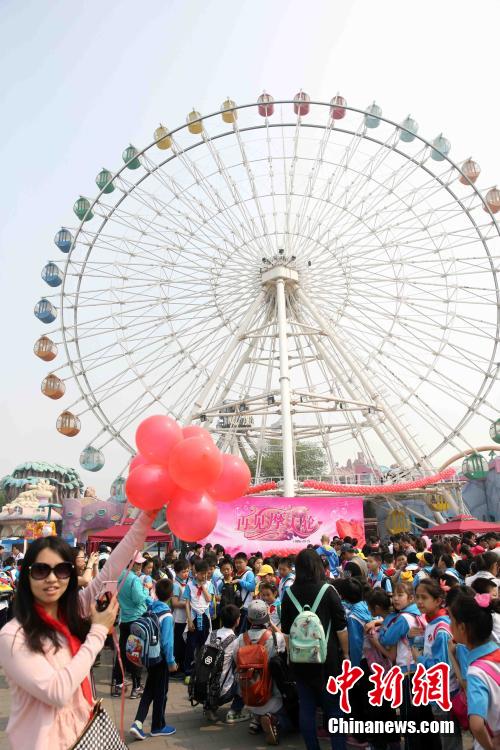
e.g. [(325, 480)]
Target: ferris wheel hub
[(282, 272)]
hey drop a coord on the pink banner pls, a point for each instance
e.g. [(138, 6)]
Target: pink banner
[(285, 525)]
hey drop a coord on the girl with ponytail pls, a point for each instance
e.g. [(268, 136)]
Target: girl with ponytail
[(472, 625), (430, 601)]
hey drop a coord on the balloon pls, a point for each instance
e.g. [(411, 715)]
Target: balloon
[(137, 460), (189, 496), (190, 521), (193, 430), (195, 463), (156, 436), (234, 480), (149, 487)]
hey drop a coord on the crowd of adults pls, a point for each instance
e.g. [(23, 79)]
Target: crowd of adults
[(404, 602)]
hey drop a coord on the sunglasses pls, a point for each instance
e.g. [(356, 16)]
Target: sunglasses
[(40, 571)]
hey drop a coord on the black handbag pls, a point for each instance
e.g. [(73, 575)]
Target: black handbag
[(100, 732)]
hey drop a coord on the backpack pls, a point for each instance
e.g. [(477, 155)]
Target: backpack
[(207, 680), (231, 594), (307, 643), (143, 647), (254, 673), (459, 706)]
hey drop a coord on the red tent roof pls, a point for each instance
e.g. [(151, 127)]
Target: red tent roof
[(115, 533), (460, 524)]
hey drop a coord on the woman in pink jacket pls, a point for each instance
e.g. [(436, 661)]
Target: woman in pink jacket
[(48, 650)]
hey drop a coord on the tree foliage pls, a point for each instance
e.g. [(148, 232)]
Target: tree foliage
[(310, 460)]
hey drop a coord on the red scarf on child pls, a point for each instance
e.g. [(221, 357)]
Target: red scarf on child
[(440, 613), (74, 644)]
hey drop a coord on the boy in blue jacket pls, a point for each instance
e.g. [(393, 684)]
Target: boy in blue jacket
[(156, 687)]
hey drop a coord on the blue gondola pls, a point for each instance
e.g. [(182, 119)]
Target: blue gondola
[(45, 311), (409, 130), (117, 490), (52, 275), (91, 459), (373, 115), (440, 148), (64, 240)]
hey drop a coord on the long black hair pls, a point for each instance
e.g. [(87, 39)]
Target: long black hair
[(308, 567), (35, 629)]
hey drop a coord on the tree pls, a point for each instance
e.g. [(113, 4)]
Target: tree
[(310, 460)]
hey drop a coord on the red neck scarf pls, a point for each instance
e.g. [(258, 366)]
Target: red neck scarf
[(74, 644), (439, 613)]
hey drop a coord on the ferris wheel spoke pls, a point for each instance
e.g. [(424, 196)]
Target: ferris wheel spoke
[(364, 174), (201, 224), (214, 197)]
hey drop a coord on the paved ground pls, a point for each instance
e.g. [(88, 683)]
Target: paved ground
[(192, 732)]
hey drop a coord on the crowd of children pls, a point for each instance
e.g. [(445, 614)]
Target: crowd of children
[(232, 636)]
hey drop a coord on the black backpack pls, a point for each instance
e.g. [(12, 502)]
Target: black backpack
[(207, 681), (231, 594)]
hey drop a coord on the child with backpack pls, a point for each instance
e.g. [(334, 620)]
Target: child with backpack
[(253, 654), (178, 604), (396, 638), (376, 576), (471, 617), (213, 683), (286, 574), (244, 575), (269, 594), (156, 687), (197, 594), (437, 635), (228, 589)]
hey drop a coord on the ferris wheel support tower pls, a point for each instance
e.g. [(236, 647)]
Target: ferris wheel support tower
[(276, 279)]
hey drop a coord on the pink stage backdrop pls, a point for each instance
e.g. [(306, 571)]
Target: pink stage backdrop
[(285, 525)]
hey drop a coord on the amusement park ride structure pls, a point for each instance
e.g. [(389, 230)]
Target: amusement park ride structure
[(285, 271)]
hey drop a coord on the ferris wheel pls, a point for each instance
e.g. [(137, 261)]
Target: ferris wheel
[(293, 271)]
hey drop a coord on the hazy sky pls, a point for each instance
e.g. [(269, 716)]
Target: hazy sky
[(80, 80)]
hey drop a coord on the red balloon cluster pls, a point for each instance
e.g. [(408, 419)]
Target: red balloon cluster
[(182, 468), (264, 487), (380, 489)]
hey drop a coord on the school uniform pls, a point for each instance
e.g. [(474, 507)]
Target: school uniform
[(284, 583), (395, 633), (156, 687), (247, 587), (179, 616), (200, 613), (436, 638), (275, 613), (483, 690), (380, 581)]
